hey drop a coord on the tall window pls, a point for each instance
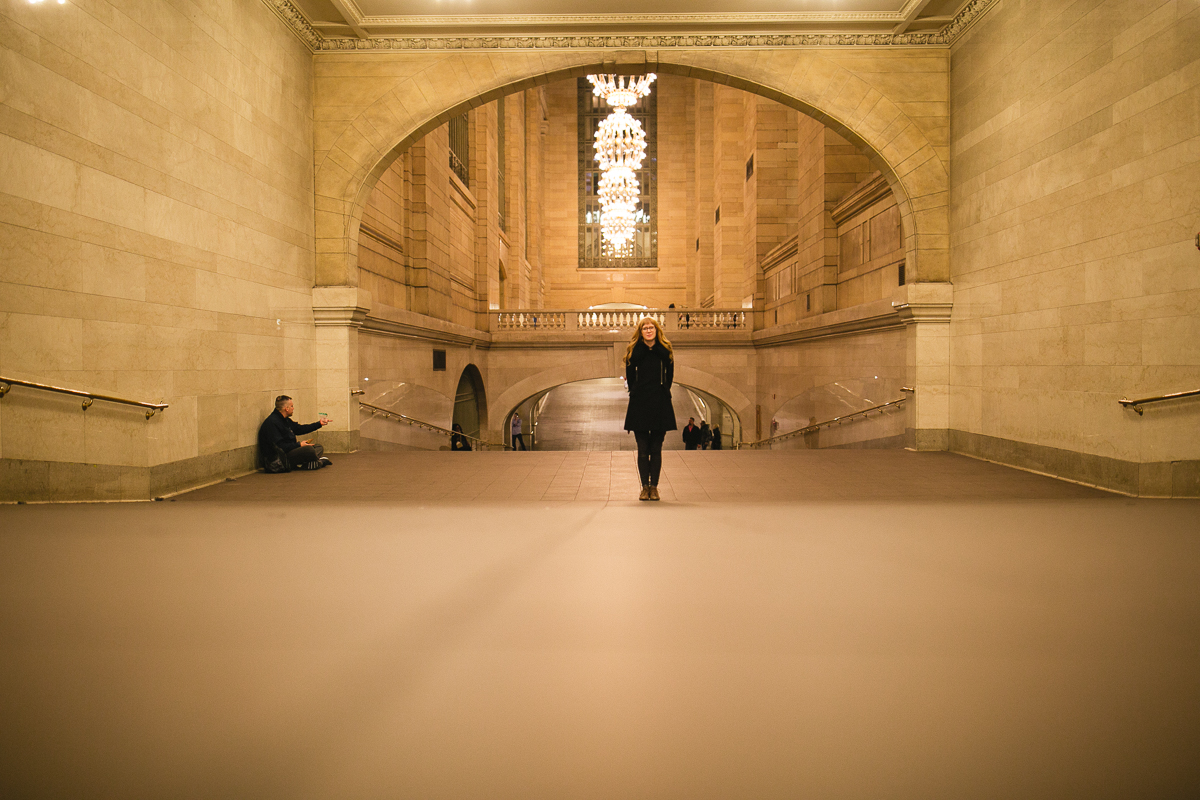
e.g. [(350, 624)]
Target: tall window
[(592, 110), (460, 148)]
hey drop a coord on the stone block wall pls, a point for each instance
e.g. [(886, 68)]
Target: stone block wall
[(397, 373), (560, 238), (806, 382), (1075, 203), (156, 221), (432, 244), (747, 160)]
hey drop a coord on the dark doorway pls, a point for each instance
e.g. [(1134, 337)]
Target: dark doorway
[(470, 405)]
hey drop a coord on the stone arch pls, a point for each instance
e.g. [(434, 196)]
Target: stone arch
[(561, 374), (470, 401), (840, 87)]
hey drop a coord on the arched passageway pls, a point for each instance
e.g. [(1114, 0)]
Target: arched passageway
[(590, 415), (470, 401), (906, 150), (367, 136)]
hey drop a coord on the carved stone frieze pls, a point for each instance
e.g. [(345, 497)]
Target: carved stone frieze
[(300, 24), (634, 42), (296, 20)]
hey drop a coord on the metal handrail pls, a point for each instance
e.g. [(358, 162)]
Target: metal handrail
[(89, 397), (427, 425), (817, 426), (1134, 404)]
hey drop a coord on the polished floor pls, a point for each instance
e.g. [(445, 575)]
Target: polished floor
[(805, 624)]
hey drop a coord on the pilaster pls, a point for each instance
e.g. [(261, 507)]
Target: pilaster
[(925, 310), (338, 313)]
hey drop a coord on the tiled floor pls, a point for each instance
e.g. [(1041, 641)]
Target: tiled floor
[(725, 476), (830, 624)]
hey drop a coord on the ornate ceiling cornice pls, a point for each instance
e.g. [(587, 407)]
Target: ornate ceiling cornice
[(629, 20), (296, 20), (316, 42)]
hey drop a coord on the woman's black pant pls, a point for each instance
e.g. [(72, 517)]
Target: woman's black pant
[(649, 455)]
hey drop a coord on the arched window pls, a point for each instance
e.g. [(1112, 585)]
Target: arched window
[(592, 110)]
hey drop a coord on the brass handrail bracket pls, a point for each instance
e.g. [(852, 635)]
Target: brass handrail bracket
[(88, 397), (1136, 405)]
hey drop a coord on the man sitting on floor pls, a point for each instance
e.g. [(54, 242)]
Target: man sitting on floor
[(278, 430)]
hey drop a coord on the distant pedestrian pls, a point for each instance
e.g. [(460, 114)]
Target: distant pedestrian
[(649, 373), (458, 439), (517, 438), (716, 437), (691, 435), (705, 435)]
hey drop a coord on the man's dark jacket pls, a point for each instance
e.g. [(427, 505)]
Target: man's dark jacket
[(278, 430), (692, 436)]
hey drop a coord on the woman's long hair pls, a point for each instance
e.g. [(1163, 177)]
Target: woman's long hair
[(637, 337)]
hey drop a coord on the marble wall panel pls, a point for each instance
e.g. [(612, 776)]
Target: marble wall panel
[(806, 382), (1074, 200), (156, 212)]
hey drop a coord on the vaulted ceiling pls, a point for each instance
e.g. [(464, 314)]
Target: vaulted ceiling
[(435, 18)]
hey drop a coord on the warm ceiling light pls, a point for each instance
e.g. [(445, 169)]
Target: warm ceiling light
[(621, 91), (620, 148)]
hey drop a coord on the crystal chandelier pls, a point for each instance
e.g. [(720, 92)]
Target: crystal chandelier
[(620, 148), (621, 91)]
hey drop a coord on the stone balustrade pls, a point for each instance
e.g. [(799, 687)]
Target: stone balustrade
[(618, 320)]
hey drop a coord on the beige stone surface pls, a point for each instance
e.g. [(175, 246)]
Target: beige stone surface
[(174, 182), (156, 223), (832, 83), (1076, 180)]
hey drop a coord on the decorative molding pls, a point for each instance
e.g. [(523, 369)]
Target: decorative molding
[(926, 302), (629, 20), (340, 305), (875, 317), (965, 18), (634, 42), (911, 313), (303, 28), (351, 316), (861, 197), (372, 233), (298, 22), (780, 254), (381, 326)]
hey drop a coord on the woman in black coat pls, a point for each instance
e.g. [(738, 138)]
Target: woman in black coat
[(649, 372), (458, 440)]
